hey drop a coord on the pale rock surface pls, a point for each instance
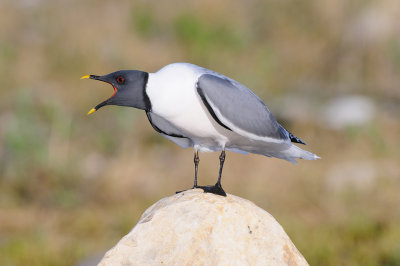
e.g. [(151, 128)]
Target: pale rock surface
[(196, 228)]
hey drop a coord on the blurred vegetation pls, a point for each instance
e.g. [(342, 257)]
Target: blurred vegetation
[(72, 185)]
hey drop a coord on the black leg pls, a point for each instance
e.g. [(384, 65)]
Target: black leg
[(221, 165), (196, 160), (217, 188)]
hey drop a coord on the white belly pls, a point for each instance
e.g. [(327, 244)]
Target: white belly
[(176, 100)]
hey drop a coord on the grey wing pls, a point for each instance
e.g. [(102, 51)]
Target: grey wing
[(237, 108), (168, 130)]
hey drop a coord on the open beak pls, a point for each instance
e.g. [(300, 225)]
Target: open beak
[(94, 109)]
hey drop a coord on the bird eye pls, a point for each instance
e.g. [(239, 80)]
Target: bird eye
[(120, 79)]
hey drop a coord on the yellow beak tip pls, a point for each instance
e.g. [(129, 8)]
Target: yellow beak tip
[(91, 111), (85, 77)]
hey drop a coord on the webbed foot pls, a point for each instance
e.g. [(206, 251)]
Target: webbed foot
[(216, 189)]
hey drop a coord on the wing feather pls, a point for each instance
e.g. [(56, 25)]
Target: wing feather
[(238, 108)]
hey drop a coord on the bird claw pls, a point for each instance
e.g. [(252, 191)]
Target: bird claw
[(216, 189)]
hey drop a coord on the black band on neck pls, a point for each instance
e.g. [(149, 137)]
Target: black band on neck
[(146, 98)]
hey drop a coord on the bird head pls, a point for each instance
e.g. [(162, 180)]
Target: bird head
[(129, 89)]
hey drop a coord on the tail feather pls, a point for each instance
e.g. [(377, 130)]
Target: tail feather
[(292, 154), (285, 150), (296, 152)]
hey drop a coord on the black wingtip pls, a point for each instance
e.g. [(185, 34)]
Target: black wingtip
[(295, 139)]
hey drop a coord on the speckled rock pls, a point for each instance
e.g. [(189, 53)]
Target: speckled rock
[(196, 228)]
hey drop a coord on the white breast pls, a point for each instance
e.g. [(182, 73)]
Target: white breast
[(173, 95)]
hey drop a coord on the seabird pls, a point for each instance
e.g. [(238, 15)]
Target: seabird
[(197, 107)]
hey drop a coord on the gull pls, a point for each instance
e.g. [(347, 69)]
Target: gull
[(196, 107)]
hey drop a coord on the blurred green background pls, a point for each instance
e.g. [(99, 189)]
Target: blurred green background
[(72, 185)]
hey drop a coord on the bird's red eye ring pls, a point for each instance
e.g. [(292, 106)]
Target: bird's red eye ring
[(120, 79)]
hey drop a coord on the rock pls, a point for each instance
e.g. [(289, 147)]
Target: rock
[(196, 228)]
